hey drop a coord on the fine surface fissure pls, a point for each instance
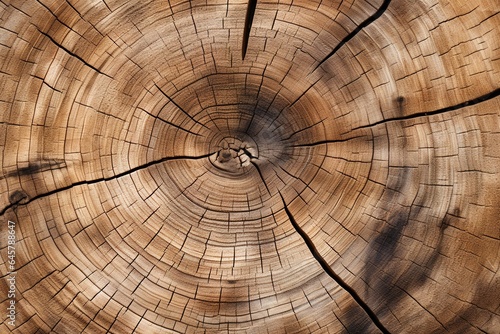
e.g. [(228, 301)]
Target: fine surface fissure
[(170, 123), (179, 107)]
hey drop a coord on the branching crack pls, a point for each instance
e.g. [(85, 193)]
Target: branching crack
[(472, 102), (25, 201), (326, 267)]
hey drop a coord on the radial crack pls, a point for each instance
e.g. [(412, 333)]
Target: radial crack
[(179, 107), (252, 4), (346, 39), (326, 267), (170, 123), (261, 176), (22, 201), (324, 142), (72, 54), (353, 33), (304, 129), (472, 102)]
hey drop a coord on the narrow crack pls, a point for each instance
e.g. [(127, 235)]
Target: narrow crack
[(326, 267), (170, 123), (302, 95), (353, 33), (324, 142), (261, 176), (252, 4), (179, 107), (345, 40), (21, 200), (72, 54), (304, 129), (472, 102)]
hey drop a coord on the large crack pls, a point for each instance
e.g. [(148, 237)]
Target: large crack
[(326, 267), (252, 4), (22, 199), (461, 105), (353, 33), (345, 40)]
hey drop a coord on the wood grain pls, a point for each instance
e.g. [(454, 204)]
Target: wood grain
[(342, 178)]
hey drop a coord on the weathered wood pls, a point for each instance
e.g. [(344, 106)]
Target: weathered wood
[(342, 178)]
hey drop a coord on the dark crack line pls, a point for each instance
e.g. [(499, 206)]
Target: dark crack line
[(179, 107), (72, 54), (252, 4), (344, 41), (261, 176), (103, 179), (299, 179), (304, 129), (326, 267), (257, 98), (248, 153), (324, 142), (353, 33), (169, 123), (302, 95), (472, 102)]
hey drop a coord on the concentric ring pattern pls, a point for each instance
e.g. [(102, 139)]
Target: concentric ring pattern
[(342, 178)]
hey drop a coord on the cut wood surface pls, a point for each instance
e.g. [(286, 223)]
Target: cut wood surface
[(340, 177)]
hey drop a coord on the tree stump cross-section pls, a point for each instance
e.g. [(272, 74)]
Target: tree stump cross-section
[(249, 166)]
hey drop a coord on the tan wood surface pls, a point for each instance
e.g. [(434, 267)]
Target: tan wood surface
[(342, 178)]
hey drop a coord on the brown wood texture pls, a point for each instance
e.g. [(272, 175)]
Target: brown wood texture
[(342, 178)]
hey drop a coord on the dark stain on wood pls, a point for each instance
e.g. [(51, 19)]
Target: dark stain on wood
[(18, 197)]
